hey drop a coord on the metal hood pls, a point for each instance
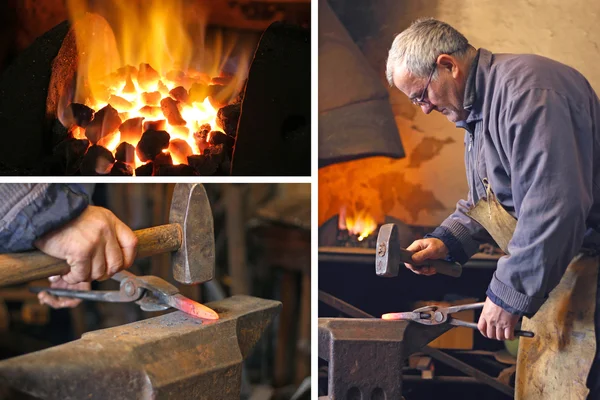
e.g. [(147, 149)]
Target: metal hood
[(355, 116)]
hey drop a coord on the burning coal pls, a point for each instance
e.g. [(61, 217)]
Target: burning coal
[(156, 124)]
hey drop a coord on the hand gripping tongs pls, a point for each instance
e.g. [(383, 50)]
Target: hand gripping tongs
[(151, 293), (436, 315)]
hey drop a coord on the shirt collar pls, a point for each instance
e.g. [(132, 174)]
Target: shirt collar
[(475, 86), (470, 87)]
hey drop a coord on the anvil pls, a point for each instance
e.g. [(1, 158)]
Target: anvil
[(174, 356)]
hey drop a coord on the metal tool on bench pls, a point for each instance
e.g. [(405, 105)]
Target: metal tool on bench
[(151, 293), (435, 315), (389, 255), (189, 236)]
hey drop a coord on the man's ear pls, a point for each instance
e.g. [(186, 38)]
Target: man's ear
[(448, 63)]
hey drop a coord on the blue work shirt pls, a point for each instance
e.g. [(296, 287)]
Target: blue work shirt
[(29, 210), (533, 131)]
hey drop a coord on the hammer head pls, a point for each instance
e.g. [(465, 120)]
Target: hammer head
[(387, 252), (194, 262)]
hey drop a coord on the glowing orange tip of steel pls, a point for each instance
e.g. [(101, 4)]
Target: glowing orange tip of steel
[(195, 309), (206, 312), (391, 316)]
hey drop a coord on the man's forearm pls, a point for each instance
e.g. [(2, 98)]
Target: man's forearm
[(28, 211)]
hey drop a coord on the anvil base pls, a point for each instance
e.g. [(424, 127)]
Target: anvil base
[(366, 355)]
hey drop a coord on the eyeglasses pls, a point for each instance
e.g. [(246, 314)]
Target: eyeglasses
[(420, 101)]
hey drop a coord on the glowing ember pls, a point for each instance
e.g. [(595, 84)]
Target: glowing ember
[(133, 100)]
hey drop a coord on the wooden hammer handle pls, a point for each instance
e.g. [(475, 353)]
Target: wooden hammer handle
[(441, 266), (24, 267)]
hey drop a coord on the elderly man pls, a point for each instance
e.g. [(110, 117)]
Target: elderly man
[(532, 144), (58, 220)]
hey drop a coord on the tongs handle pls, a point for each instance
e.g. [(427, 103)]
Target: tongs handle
[(463, 307), (473, 325), (112, 296)]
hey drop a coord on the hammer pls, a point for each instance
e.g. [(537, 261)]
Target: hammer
[(389, 255), (189, 236)]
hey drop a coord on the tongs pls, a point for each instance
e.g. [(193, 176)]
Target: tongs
[(151, 293), (436, 315)]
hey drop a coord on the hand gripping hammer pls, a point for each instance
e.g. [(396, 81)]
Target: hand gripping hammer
[(189, 237), (389, 255)]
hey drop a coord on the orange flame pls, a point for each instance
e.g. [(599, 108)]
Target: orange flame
[(360, 223), (154, 33)]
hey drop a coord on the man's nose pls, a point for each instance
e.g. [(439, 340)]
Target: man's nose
[(427, 108)]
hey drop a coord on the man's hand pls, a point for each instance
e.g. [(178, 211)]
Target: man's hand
[(96, 245), (56, 282), (497, 323), (426, 249)]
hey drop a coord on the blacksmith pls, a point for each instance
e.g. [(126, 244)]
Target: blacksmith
[(532, 143)]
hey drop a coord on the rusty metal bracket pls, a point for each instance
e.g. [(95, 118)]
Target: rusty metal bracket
[(469, 370), (167, 357)]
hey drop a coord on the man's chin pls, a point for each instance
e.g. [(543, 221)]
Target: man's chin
[(455, 117), (452, 117)]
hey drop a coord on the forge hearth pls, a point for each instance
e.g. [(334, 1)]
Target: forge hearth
[(334, 233), (345, 238), (64, 117)]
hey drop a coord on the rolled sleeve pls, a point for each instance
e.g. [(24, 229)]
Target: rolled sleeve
[(28, 211), (459, 233), (512, 301), (456, 252)]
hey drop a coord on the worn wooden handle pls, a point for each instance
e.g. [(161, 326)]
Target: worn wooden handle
[(441, 266), (23, 267)]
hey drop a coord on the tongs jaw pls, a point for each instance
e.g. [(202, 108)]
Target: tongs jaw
[(155, 290), (423, 315)]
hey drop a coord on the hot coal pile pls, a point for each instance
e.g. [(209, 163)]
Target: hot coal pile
[(142, 123), (346, 238)]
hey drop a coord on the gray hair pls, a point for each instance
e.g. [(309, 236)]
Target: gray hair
[(419, 46)]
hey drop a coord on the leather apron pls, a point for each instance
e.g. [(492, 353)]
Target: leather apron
[(555, 363)]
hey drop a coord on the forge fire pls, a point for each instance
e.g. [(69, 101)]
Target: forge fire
[(167, 87), (158, 125), (146, 96), (356, 228)]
